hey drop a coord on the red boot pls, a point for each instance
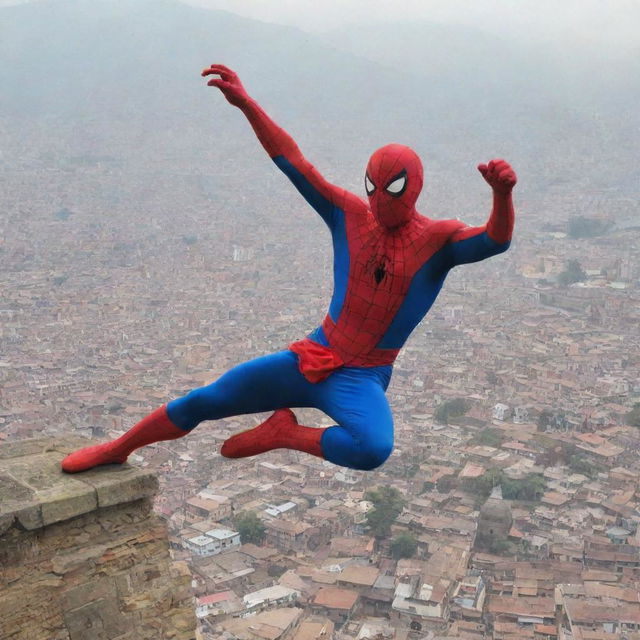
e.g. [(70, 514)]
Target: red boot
[(280, 431), (155, 427)]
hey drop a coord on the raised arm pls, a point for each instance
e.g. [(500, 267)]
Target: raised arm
[(320, 194), (470, 244)]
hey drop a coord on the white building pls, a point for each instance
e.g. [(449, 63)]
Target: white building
[(501, 412), (520, 415), (276, 596), (213, 542), (277, 510)]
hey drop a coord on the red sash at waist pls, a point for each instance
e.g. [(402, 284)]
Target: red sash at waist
[(317, 362)]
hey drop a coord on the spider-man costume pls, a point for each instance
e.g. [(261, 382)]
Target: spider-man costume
[(389, 265)]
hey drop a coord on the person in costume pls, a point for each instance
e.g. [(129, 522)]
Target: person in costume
[(389, 265)]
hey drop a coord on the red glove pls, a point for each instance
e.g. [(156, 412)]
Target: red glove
[(502, 178), (500, 175), (228, 83)]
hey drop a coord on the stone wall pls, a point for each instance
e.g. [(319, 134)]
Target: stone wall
[(83, 556)]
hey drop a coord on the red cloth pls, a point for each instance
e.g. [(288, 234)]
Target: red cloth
[(315, 361)]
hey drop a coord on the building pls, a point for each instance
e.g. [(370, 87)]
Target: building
[(271, 597), (213, 542), (287, 535), (339, 605), (501, 412)]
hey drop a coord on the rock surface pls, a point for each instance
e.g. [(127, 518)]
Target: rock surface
[(83, 556)]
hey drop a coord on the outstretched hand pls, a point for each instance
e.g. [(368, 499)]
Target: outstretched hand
[(228, 83), (500, 175)]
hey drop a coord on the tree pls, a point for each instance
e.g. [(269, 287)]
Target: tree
[(411, 470), (499, 546), (453, 408), (275, 570), (579, 463), (544, 419), (250, 527), (633, 417), (387, 506), (582, 227), (572, 273), (490, 437), (427, 485), (529, 489), (403, 546), (446, 483), (482, 486)]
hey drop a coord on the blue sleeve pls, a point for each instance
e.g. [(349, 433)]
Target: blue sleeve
[(475, 248), (322, 205)]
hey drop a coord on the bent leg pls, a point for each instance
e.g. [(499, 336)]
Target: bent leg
[(263, 384), (363, 437)]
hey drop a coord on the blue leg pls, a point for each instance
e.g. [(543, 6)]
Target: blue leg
[(355, 399), (264, 384)]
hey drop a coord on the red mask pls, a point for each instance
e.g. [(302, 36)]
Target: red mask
[(393, 182)]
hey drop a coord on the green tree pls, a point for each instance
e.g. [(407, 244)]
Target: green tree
[(411, 470), (544, 419), (275, 570), (499, 547), (387, 506), (582, 227), (446, 483), (427, 485), (482, 486), (403, 546), (453, 408), (633, 417), (490, 437), (579, 463), (529, 489), (250, 527), (572, 273)]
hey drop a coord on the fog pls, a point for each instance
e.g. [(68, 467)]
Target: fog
[(615, 22), (148, 245)]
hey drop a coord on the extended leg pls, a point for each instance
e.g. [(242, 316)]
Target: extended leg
[(262, 384), (153, 428)]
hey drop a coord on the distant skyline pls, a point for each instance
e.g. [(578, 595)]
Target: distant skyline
[(614, 22)]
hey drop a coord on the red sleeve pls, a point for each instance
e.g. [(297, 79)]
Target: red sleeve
[(285, 152)]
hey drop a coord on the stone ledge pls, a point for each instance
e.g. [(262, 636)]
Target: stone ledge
[(35, 492)]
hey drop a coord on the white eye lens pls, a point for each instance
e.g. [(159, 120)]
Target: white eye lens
[(397, 185), (368, 185)]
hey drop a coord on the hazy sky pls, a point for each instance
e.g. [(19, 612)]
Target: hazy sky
[(616, 22)]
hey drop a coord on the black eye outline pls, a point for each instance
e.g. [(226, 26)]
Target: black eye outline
[(368, 181), (397, 194)]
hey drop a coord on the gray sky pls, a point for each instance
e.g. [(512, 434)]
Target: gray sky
[(614, 23)]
